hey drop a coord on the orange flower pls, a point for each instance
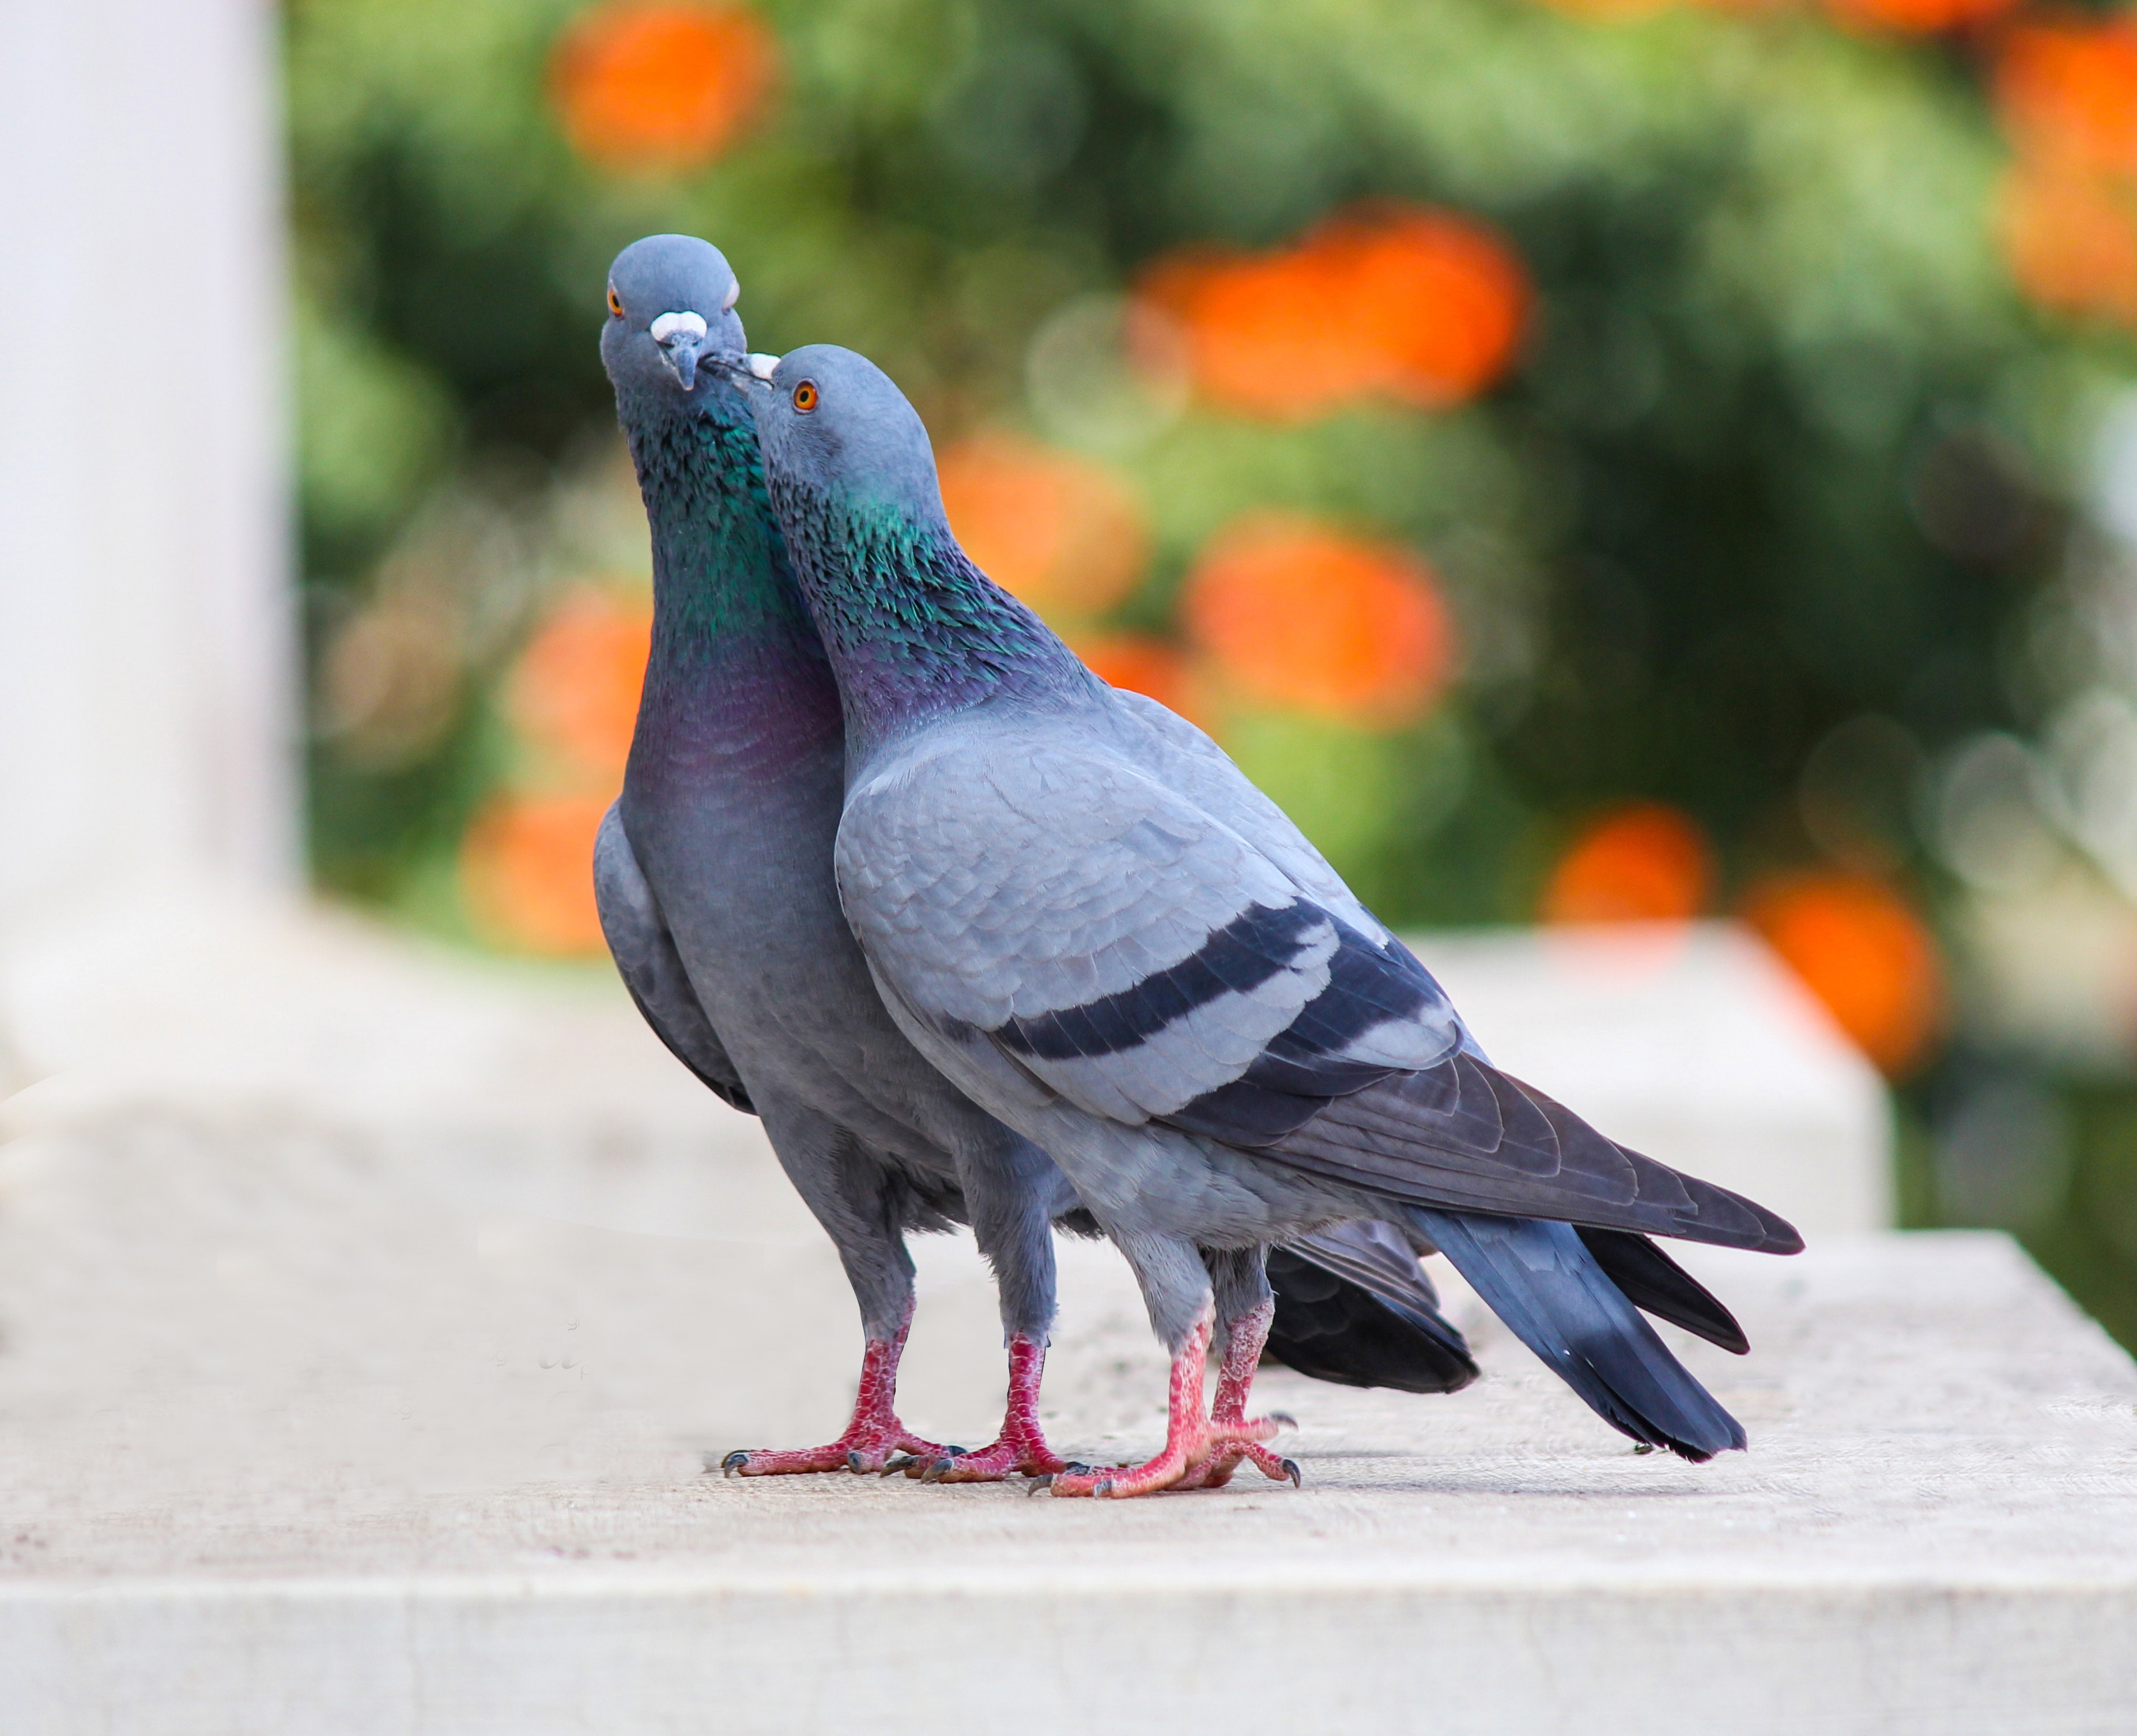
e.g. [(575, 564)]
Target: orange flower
[(1064, 534), (1301, 614), (1863, 952), (1424, 306), (575, 690), (2068, 92), (1142, 664), (1917, 18), (1641, 863), (1263, 332), (2071, 237), (527, 872), (1437, 301), (650, 86)]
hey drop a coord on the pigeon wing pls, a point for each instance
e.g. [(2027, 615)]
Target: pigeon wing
[(1116, 943), (652, 969)]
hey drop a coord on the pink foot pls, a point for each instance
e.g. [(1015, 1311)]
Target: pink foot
[(873, 1436), (1235, 1380), (1021, 1448), (1189, 1441)]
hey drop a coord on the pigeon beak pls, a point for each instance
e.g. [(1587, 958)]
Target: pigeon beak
[(745, 371), (680, 336)]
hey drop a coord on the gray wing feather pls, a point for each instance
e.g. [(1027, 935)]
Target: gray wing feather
[(652, 969), (1185, 758), (1123, 946), (997, 877)]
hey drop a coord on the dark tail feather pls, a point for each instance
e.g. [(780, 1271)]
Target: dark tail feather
[(1539, 1277), (1346, 1314), (1653, 1281)]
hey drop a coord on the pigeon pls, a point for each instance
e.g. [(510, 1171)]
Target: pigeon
[(712, 876), (1087, 916)]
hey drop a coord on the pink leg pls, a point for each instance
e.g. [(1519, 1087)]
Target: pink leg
[(1235, 1380), (873, 1435), (1020, 1449), (1189, 1438)]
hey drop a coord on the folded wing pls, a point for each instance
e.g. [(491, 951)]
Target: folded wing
[(1124, 949)]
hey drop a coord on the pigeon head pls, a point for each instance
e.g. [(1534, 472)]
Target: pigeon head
[(833, 425), (912, 627), (671, 301)]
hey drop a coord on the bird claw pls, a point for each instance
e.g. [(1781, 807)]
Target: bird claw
[(1291, 1470), (1282, 1419), (1039, 1482), (854, 1462), (733, 1462), (903, 1461), (1642, 1448)]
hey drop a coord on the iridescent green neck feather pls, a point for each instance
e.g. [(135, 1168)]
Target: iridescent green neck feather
[(914, 630), (721, 580)]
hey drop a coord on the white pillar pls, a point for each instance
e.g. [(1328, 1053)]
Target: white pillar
[(147, 662)]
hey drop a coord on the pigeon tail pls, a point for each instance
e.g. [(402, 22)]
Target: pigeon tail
[(1656, 1285), (1540, 1278), (1331, 1324)]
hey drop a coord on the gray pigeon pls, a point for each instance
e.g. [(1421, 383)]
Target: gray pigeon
[(1083, 914), (714, 877)]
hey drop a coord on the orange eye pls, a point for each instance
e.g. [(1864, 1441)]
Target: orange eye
[(615, 302), (805, 396)]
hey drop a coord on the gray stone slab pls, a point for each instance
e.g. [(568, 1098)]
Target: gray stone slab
[(291, 1441)]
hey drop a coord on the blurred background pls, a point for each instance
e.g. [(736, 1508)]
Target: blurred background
[(1592, 461)]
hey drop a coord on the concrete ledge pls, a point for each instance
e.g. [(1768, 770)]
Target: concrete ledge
[(1935, 1531), (1099, 1652), (344, 1388)]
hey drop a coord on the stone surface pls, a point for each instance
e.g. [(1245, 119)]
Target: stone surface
[(365, 1321), (286, 1446)]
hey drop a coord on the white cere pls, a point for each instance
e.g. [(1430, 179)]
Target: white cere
[(763, 365), (734, 295), (671, 326)]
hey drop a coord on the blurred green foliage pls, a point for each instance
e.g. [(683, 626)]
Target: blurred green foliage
[(1784, 451)]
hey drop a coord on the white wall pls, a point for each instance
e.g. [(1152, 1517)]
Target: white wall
[(146, 670)]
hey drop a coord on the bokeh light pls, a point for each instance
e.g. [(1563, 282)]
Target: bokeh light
[(1864, 953), (572, 701), (526, 872), (1299, 614), (1918, 17), (2071, 237), (1064, 534), (1143, 664), (2068, 91), (655, 87), (1383, 298), (574, 691), (2067, 211), (1643, 862)]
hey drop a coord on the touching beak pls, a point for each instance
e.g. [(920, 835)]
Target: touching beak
[(750, 370), (680, 337)]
